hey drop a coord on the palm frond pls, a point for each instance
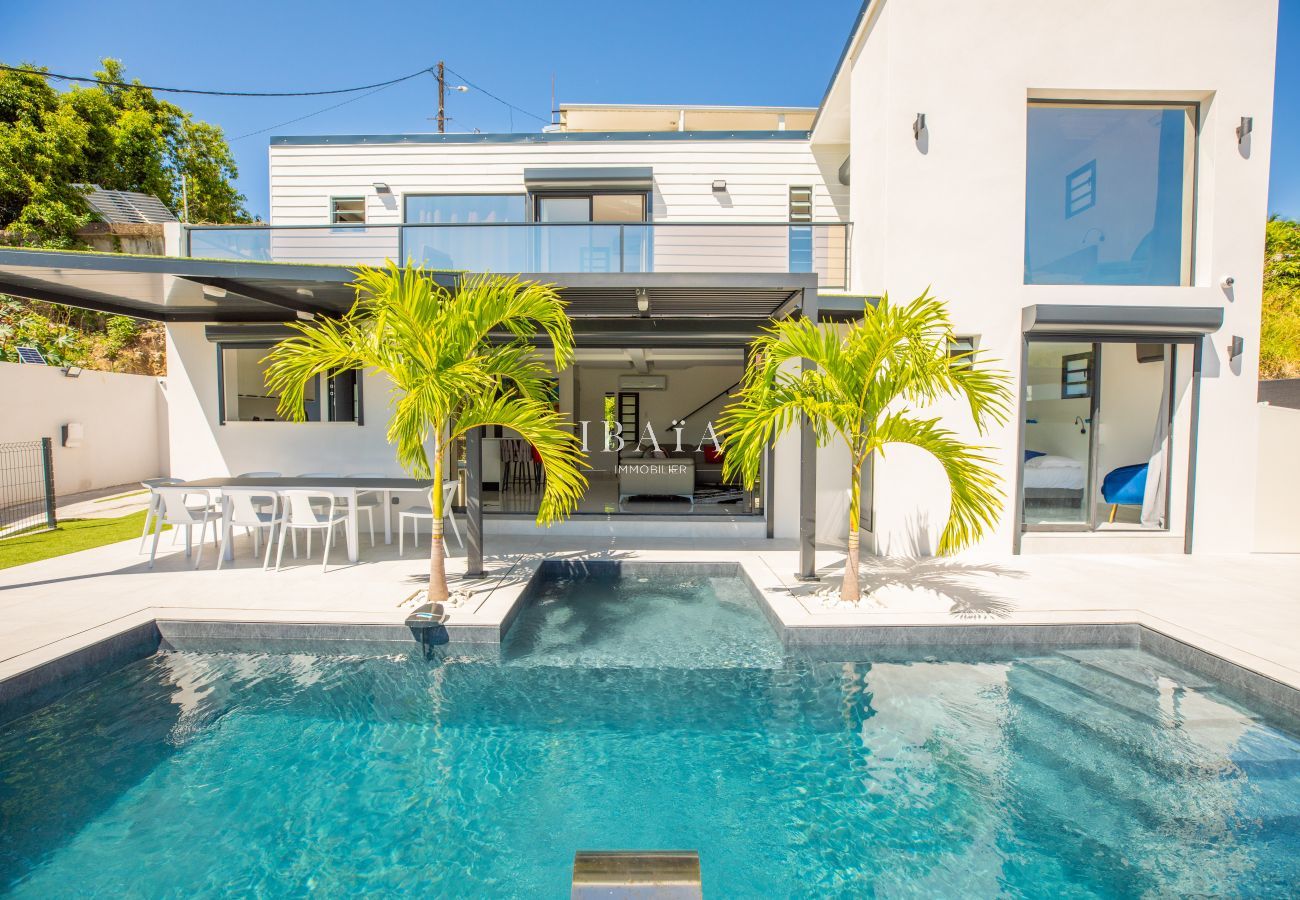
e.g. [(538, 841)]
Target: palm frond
[(976, 501), (540, 426), (866, 378)]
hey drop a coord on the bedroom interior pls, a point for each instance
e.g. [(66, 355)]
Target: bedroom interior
[(1106, 435)]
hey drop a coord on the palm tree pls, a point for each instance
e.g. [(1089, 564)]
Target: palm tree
[(867, 381), (448, 374)]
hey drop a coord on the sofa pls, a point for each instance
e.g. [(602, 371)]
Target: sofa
[(667, 475)]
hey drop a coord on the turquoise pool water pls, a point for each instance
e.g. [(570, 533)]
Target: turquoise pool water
[(655, 713)]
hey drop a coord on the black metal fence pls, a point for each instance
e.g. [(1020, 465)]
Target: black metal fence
[(26, 487)]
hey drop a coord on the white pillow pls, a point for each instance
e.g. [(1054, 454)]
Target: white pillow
[(1053, 462)]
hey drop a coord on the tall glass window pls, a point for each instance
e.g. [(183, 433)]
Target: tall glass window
[(454, 238), (1109, 194), (464, 209)]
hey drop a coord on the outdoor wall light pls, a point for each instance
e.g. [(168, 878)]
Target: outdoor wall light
[(918, 126), (72, 372), (720, 186), (1237, 347), (642, 301), (214, 291), (304, 292), (1247, 125), (381, 187)]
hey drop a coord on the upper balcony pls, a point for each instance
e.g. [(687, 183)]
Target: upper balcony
[(551, 248)]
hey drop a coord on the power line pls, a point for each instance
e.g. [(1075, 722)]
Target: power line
[(368, 88), (310, 114), (495, 97), (175, 90)]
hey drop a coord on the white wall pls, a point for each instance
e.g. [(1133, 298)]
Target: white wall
[(202, 447), (949, 213), (758, 173), (1277, 527), (124, 418)]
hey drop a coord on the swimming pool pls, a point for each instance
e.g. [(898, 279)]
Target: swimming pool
[(648, 712)]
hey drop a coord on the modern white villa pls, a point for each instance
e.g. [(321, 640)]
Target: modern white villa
[(1089, 207), (667, 693)]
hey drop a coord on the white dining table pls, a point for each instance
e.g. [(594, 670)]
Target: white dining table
[(344, 488)]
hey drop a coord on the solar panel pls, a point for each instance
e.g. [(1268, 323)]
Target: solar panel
[(126, 207), (31, 355)]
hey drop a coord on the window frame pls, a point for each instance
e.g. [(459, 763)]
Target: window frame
[(535, 199), (324, 391), (1191, 175), (418, 195), (333, 209), (1100, 340), (1089, 375)]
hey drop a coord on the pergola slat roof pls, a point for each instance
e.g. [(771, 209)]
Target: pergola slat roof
[(172, 289)]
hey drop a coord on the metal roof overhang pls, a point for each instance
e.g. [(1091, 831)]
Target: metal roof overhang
[(687, 307), (639, 178), (1139, 321), (172, 289)]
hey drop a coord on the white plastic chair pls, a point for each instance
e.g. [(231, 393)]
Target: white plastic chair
[(261, 506), (369, 501), (176, 511), (417, 513), (251, 509), (155, 504), (308, 511)]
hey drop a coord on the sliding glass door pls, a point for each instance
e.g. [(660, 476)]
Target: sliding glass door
[(591, 233), (1102, 422)]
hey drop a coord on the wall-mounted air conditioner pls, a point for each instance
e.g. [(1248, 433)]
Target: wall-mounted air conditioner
[(642, 382)]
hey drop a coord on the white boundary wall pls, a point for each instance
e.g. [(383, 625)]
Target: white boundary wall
[(123, 419), (1277, 497)]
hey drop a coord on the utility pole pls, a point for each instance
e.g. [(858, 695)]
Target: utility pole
[(442, 108)]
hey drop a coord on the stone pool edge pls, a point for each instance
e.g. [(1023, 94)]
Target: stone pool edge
[(485, 617)]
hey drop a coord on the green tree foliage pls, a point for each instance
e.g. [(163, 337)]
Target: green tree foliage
[(121, 138), (448, 376), (870, 380), (1279, 345)]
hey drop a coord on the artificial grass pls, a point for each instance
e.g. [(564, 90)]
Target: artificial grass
[(69, 537)]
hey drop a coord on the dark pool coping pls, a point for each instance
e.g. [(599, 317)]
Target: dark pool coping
[(42, 684)]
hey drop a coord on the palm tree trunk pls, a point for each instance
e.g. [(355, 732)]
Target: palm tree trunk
[(849, 590), (438, 591)]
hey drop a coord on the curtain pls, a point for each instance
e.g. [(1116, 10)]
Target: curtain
[(1153, 500)]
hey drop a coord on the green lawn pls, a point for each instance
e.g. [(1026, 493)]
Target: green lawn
[(69, 537)]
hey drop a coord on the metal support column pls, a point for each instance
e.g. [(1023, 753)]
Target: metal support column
[(1198, 361), (47, 472), (808, 471), (474, 502)]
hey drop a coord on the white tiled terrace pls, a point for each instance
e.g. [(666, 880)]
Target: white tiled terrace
[(1243, 608)]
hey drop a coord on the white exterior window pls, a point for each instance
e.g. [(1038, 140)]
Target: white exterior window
[(347, 210), (801, 237), (243, 395), (1109, 193)]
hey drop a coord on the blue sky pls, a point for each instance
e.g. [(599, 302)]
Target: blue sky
[(702, 51)]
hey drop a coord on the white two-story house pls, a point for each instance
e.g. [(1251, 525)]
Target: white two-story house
[(1085, 186)]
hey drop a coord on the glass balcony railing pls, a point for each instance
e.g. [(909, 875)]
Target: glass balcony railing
[(739, 247)]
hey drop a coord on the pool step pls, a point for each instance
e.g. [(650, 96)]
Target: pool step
[(1140, 739), (1087, 766)]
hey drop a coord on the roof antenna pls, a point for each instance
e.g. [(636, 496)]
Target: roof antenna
[(553, 110)]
